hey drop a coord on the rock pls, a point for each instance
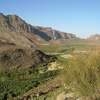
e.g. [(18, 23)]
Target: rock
[(16, 30), (21, 58)]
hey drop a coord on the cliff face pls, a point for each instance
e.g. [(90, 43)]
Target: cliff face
[(16, 30), (14, 23), (55, 34)]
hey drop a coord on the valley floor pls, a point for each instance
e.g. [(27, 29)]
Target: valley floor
[(74, 75)]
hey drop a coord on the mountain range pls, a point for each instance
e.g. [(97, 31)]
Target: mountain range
[(17, 36), (14, 29)]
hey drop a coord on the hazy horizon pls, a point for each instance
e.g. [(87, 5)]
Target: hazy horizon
[(80, 17)]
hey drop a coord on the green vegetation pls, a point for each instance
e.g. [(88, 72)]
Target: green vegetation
[(67, 47), (49, 48), (17, 82), (82, 75)]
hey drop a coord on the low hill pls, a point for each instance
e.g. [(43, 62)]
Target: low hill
[(94, 37)]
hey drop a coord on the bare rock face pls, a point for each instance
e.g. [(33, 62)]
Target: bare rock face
[(18, 25), (56, 34), (17, 31), (13, 23)]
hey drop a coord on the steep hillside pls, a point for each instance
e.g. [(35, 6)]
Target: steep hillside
[(16, 58), (18, 43), (20, 58), (15, 30), (55, 34)]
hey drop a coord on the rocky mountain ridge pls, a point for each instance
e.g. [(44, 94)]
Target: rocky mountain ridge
[(15, 30)]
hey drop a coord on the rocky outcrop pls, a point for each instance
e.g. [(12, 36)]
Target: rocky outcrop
[(55, 34), (17, 31), (21, 58)]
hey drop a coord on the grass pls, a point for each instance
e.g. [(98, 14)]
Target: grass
[(52, 95), (50, 48), (17, 82), (50, 90), (67, 47), (82, 74)]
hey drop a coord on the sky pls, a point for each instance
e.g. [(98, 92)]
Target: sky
[(81, 17)]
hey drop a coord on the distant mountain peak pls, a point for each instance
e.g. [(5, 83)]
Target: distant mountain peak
[(94, 37)]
